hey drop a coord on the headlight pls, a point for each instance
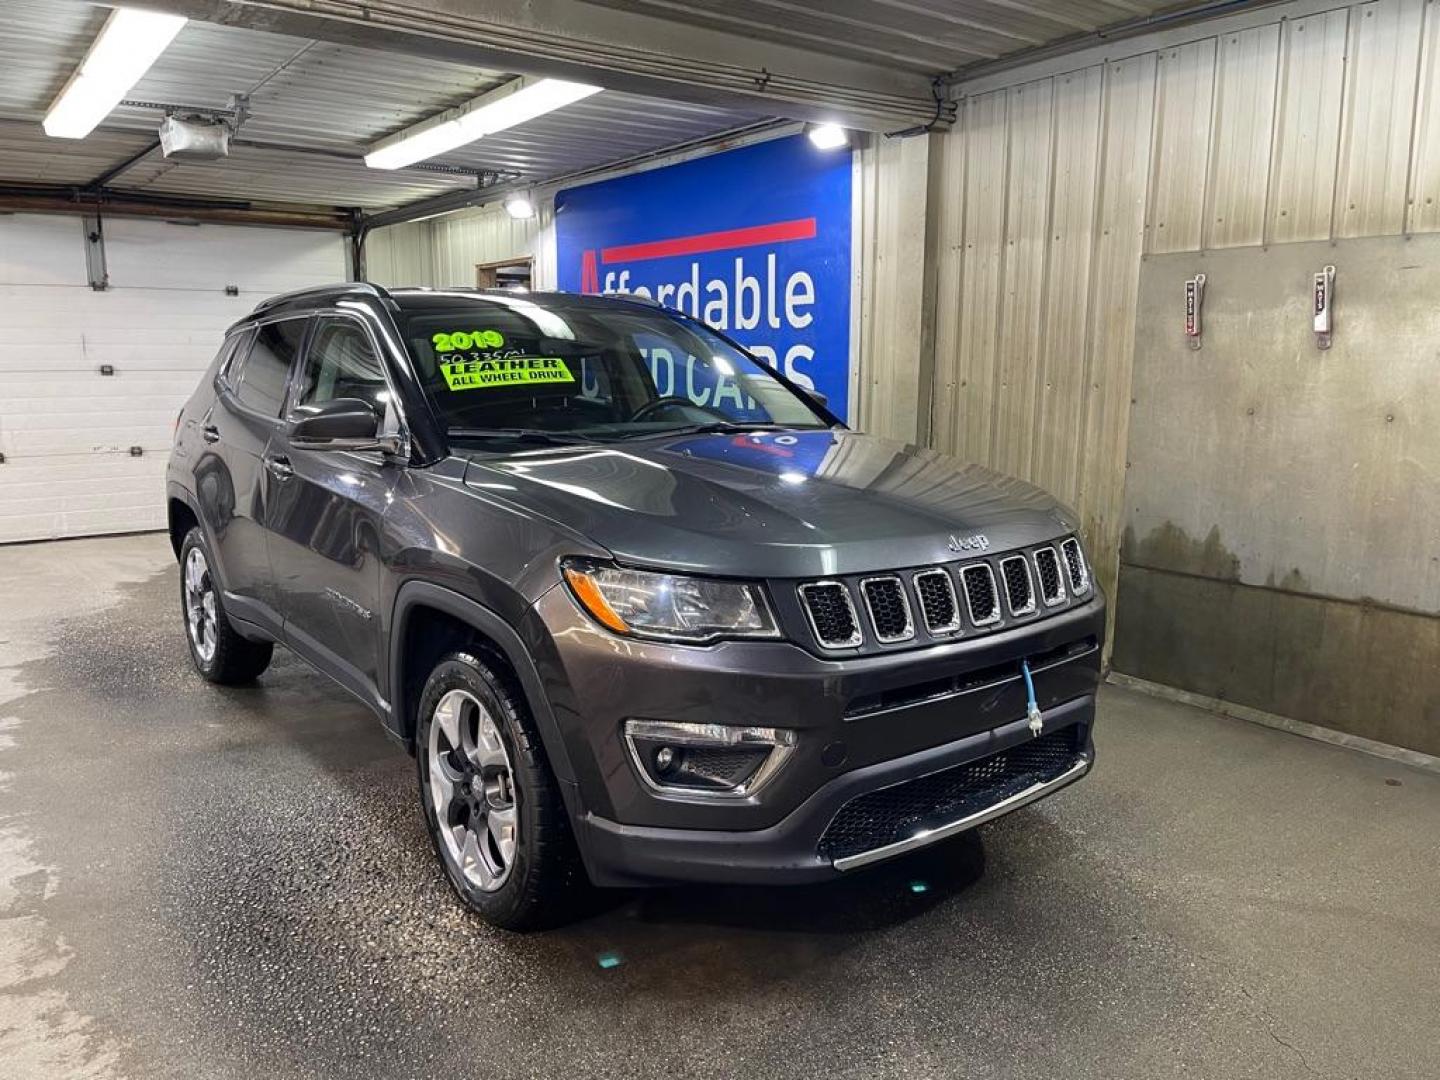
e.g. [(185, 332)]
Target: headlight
[(670, 606)]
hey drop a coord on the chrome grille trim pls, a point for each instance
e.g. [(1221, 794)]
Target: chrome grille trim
[(1028, 607), (934, 628), (993, 616), (811, 586), (1051, 600), (1075, 567), (887, 639)]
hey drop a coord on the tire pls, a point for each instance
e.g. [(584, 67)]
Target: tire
[(218, 652), (492, 806)]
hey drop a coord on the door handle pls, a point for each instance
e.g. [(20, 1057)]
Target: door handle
[(210, 433), (279, 467)]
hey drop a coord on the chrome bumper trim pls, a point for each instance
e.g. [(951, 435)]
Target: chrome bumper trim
[(931, 836)]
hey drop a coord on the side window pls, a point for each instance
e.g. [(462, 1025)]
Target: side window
[(232, 356), (260, 380), (341, 364)]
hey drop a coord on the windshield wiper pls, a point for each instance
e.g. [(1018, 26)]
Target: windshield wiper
[(714, 427), (552, 438)]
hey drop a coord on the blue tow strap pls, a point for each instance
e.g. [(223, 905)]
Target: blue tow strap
[(1032, 707)]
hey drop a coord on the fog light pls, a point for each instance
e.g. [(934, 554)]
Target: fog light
[(706, 759)]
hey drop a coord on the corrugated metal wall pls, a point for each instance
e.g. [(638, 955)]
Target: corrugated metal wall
[(444, 251), (1048, 193), (891, 382)]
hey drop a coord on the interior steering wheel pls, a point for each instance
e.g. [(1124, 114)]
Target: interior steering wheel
[(673, 401)]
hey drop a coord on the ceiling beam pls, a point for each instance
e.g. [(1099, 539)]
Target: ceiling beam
[(619, 50), (52, 199)]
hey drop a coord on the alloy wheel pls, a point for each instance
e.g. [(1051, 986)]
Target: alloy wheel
[(200, 610), (472, 789)]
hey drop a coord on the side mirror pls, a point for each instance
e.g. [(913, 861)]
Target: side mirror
[(342, 424), (817, 397)]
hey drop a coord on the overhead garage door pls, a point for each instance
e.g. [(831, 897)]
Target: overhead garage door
[(84, 450)]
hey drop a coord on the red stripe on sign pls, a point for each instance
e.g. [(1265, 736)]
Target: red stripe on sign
[(750, 236)]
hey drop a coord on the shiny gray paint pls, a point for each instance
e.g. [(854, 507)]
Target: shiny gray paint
[(336, 554)]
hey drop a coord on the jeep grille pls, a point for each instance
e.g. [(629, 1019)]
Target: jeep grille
[(933, 603), (980, 594), (888, 608), (831, 613), (1075, 565), (1019, 590), (938, 606), (1047, 566)]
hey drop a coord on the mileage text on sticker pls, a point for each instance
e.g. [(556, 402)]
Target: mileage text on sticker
[(513, 371)]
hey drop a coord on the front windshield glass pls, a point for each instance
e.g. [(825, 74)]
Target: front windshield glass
[(504, 368)]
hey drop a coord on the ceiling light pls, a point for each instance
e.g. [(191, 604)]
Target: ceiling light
[(514, 103), (129, 43), (519, 206), (828, 136)]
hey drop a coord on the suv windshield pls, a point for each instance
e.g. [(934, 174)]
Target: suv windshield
[(505, 368)]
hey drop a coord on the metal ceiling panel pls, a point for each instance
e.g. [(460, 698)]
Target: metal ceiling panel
[(326, 102), (930, 36), (607, 127), (41, 42), (28, 156), (250, 173)]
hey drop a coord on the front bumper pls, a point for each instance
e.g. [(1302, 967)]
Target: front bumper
[(862, 724), (787, 852)]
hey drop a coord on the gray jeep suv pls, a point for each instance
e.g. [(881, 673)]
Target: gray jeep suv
[(642, 609)]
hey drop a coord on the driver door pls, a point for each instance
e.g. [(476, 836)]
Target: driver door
[(327, 515)]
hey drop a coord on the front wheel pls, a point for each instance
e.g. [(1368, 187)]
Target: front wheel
[(219, 653), (492, 806)]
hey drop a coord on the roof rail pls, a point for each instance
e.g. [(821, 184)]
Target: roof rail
[(317, 292)]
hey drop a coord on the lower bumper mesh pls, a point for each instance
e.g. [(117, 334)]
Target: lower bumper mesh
[(896, 813)]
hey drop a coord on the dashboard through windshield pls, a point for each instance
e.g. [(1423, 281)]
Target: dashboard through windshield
[(508, 368)]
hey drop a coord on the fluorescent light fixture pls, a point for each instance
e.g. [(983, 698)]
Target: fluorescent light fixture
[(828, 136), (519, 206), (514, 103), (129, 42)]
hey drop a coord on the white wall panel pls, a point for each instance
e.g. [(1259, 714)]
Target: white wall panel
[(895, 382), (66, 430), (1244, 126), (1060, 387), (1379, 111), (1307, 142), (444, 251), (1022, 278), (1184, 102), (401, 255), (1288, 126)]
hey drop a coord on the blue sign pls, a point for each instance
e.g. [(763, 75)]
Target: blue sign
[(754, 242)]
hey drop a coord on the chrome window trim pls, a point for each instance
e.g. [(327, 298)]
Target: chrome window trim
[(1084, 585), (956, 622), (858, 638), (1029, 581), (994, 591), (909, 632), (1060, 575)]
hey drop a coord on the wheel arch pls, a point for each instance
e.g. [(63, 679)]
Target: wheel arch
[(181, 517), (425, 621)]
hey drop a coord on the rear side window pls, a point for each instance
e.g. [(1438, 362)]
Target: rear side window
[(341, 364), (259, 379), (228, 359)]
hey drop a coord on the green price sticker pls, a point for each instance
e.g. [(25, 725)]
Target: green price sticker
[(514, 371), (459, 340)]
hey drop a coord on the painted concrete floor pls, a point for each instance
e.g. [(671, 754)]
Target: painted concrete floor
[(198, 882)]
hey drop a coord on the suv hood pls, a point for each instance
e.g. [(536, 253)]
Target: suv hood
[(777, 504)]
